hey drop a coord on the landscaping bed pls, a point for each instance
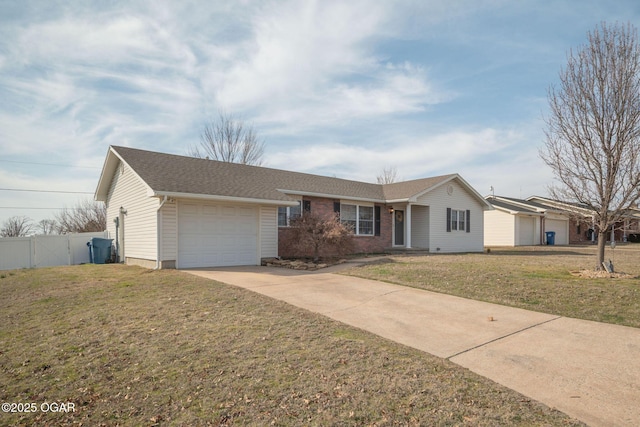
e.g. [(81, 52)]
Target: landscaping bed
[(300, 264)]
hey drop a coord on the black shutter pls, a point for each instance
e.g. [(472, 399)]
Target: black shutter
[(448, 219), (306, 206), (336, 207), (377, 220), (468, 221)]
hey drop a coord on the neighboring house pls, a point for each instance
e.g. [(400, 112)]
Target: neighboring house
[(581, 219), (518, 222), (569, 219), (512, 223), (180, 212)]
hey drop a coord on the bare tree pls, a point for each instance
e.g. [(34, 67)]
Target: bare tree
[(388, 176), (593, 131), (47, 226), (85, 217), (229, 139), (16, 226)]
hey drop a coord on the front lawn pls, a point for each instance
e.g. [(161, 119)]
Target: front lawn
[(542, 278), (135, 347)]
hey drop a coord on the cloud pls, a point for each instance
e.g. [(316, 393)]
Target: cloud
[(79, 81), (314, 62), (416, 157)]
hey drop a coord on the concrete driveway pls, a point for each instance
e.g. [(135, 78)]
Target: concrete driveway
[(588, 370)]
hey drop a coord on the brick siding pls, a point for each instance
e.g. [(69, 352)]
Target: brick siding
[(363, 244)]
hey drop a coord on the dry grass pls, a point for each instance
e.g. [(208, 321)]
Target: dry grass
[(129, 346), (545, 279)]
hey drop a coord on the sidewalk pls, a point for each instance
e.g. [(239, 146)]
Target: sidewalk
[(589, 370)]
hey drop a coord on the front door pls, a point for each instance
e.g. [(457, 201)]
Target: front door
[(398, 221)]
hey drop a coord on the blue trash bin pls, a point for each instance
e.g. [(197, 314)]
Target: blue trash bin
[(551, 237), (99, 250)]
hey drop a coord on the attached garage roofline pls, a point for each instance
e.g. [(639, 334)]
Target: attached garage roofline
[(224, 198), (330, 196)]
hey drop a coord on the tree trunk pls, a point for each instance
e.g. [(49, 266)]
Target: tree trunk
[(602, 240)]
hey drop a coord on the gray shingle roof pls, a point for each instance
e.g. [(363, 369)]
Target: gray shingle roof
[(169, 173), (406, 189), (512, 206)]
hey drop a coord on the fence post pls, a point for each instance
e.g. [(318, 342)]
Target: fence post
[(70, 255), (33, 259)]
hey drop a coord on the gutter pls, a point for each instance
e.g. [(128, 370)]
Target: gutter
[(331, 196), (212, 197)]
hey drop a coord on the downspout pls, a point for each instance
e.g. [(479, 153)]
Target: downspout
[(407, 228), (116, 221), (159, 233), (121, 213)]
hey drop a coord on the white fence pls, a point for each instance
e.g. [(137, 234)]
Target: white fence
[(46, 250)]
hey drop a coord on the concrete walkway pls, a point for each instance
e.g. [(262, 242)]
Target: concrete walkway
[(588, 370)]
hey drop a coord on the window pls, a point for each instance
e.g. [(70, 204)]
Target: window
[(360, 218), (458, 220), (365, 220), (287, 213)]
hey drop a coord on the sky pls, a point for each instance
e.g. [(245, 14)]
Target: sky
[(335, 88)]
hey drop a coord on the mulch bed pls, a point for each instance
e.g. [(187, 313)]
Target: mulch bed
[(301, 264)]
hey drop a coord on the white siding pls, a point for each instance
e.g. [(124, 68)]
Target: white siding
[(560, 225), (455, 241), (420, 226), (499, 228), (140, 222), (525, 230), (268, 231), (169, 235), (217, 234)]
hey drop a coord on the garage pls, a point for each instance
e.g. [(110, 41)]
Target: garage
[(561, 227), (217, 234), (526, 232)]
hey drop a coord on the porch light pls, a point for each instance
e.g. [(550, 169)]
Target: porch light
[(390, 210)]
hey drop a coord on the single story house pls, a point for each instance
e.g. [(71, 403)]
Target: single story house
[(518, 222), (511, 223), (170, 211), (581, 221)]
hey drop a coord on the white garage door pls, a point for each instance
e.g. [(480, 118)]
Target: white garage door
[(217, 235), (561, 227), (526, 233)]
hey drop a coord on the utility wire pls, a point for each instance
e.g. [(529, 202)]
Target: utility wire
[(27, 207), (47, 191), (49, 164)]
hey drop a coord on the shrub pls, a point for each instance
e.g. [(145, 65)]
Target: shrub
[(316, 236)]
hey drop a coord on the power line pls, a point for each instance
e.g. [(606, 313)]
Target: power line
[(46, 191), (27, 207), (49, 164)]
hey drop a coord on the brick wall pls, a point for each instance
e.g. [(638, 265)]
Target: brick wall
[(363, 244), (578, 231), (581, 236)]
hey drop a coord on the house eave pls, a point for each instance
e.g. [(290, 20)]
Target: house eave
[(331, 196), (515, 212), (213, 197)]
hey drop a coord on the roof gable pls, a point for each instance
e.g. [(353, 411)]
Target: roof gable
[(514, 206)]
